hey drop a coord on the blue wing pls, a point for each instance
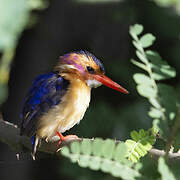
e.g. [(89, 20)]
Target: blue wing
[(46, 91)]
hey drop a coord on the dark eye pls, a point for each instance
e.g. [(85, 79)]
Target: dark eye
[(90, 69)]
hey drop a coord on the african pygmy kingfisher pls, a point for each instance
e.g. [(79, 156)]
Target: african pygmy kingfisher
[(58, 100)]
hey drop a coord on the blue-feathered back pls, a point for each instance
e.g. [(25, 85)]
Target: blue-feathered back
[(46, 91)]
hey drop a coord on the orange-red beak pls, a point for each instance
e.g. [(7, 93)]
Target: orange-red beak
[(109, 83)]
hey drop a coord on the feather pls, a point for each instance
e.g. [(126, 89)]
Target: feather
[(68, 112), (46, 92), (90, 55)]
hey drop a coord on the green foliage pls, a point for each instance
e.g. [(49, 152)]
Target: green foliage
[(169, 3), (96, 1), (38, 4), (162, 97), (10, 31), (111, 156), (14, 17), (13, 20), (148, 168), (140, 144), (164, 170), (119, 158), (161, 70), (106, 155)]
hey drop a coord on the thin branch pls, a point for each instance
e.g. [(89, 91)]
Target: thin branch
[(156, 153), (9, 134)]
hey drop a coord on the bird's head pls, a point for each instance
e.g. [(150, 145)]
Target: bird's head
[(88, 68)]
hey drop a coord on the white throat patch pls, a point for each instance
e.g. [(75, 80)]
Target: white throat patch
[(93, 83)]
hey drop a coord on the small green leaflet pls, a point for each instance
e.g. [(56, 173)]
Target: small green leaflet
[(147, 40), (146, 91), (140, 144), (155, 103), (142, 79), (161, 69), (137, 29), (155, 113), (140, 65)]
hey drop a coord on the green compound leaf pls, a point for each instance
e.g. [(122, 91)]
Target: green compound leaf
[(161, 70), (140, 144), (162, 97), (147, 40), (164, 170), (106, 155)]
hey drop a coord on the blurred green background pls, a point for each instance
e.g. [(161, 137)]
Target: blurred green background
[(35, 33)]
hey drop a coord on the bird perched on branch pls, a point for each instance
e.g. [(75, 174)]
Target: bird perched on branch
[(58, 100)]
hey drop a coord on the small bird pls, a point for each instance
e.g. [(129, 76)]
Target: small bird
[(58, 100)]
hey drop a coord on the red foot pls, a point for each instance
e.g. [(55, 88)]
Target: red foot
[(65, 138)]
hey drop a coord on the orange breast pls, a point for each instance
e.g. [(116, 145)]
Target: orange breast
[(68, 113)]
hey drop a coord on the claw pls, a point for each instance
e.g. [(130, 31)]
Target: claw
[(65, 138)]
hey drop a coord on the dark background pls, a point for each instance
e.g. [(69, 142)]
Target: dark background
[(101, 28)]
